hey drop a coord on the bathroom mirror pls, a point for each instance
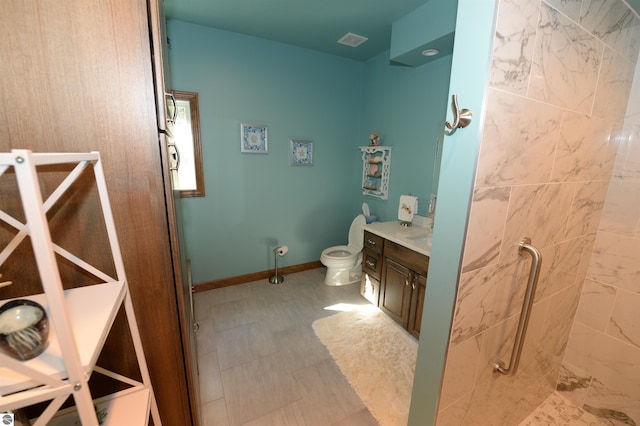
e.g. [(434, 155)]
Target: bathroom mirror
[(187, 139)]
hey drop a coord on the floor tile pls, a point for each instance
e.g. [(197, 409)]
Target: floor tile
[(243, 344), (214, 413), (261, 364), (210, 386)]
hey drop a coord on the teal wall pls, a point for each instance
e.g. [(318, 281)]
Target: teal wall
[(407, 107), (255, 202), (472, 51)]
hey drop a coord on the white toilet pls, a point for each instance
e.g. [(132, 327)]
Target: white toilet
[(343, 262)]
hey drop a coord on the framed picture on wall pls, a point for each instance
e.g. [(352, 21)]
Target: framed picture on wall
[(254, 138), (300, 152)]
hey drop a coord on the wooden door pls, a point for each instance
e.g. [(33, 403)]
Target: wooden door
[(77, 76), (181, 265), (395, 294)]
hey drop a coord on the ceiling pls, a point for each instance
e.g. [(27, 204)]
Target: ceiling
[(312, 24)]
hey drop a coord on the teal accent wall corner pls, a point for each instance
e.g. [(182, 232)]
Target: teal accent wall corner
[(407, 107), (472, 51), (433, 22)]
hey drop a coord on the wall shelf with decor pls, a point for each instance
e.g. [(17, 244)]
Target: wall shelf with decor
[(73, 318), (376, 164)]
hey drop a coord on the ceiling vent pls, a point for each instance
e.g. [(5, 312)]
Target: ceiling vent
[(353, 40)]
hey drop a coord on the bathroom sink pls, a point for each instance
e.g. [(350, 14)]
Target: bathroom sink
[(420, 239)]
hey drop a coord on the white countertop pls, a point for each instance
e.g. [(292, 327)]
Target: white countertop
[(416, 238)]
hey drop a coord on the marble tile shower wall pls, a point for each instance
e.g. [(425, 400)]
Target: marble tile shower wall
[(600, 372), (562, 71)]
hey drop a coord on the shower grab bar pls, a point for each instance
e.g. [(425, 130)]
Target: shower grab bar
[(534, 272)]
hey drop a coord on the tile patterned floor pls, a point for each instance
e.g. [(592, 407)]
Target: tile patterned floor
[(260, 362), (557, 410)]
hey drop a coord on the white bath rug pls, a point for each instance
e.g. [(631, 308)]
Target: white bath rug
[(378, 358)]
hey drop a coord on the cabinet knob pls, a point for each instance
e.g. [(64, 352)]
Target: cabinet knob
[(373, 243), (370, 264)]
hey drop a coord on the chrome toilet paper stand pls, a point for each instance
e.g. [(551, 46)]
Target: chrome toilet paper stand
[(278, 251)]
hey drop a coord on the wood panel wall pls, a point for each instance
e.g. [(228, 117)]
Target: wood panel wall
[(76, 76)]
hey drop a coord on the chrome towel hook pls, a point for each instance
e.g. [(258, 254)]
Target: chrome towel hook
[(461, 117)]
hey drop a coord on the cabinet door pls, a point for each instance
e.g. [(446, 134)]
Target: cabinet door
[(395, 294), (370, 288), (418, 287)]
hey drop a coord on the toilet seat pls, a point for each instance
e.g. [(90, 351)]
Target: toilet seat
[(339, 252)]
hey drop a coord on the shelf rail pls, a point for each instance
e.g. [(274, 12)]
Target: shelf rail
[(534, 273)]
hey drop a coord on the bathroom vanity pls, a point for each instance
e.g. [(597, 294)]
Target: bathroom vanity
[(395, 262)]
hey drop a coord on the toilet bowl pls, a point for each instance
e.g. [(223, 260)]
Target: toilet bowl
[(344, 262)]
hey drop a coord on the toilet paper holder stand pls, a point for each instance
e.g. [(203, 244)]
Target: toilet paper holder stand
[(277, 252)]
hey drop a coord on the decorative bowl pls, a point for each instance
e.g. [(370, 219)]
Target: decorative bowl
[(24, 329)]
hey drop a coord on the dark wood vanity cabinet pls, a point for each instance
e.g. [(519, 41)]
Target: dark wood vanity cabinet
[(395, 279)]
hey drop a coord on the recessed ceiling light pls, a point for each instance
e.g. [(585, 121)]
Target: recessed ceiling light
[(430, 52), (353, 40)]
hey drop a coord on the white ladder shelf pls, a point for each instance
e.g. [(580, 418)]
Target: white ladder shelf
[(80, 318)]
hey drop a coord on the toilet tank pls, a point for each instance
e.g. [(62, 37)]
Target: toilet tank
[(356, 232)]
